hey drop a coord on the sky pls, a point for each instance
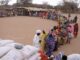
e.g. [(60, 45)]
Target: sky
[(51, 2), (12, 2)]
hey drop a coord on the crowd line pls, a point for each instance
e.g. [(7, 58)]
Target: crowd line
[(61, 34)]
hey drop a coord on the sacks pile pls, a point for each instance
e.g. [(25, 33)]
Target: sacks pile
[(10, 50)]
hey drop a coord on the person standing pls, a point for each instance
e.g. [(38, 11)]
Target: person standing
[(75, 19), (36, 39), (76, 29), (43, 38), (69, 33), (50, 45), (69, 17)]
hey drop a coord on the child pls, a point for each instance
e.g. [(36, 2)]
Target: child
[(69, 36)]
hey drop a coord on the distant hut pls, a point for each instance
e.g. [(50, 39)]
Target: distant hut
[(6, 12), (21, 11)]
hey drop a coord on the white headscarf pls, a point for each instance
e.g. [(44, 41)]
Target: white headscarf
[(38, 31)]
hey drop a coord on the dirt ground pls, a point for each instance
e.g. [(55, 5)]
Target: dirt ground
[(22, 30)]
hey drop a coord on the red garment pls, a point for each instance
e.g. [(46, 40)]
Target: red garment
[(76, 30), (76, 27), (75, 34), (43, 56), (69, 29), (59, 30)]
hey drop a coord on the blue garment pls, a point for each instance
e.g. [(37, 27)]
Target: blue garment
[(50, 40), (50, 45), (58, 57), (49, 15)]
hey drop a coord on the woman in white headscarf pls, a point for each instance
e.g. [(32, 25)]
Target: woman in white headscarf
[(36, 39)]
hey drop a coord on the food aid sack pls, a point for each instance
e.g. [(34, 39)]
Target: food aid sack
[(4, 50), (35, 57), (5, 42), (15, 45), (13, 55), (29, 51)]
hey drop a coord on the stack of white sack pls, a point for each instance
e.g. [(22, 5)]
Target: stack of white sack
[(5, 42), (10, 50), (4, 50), (13, 55), (31, 53), (35, 57), (15, 45), (11, 43)]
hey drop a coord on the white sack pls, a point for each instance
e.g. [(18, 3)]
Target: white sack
[(28, 51), (4, 50), (13, 55), (5, 42), (35, 57), (15, 45)]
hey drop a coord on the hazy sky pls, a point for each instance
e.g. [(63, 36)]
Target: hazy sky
[(12, 2), (51, 2)]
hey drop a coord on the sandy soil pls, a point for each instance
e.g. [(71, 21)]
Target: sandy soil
[(22, 29)]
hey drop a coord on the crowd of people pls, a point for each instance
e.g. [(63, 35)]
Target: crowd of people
[(53, 15), (61, 34)]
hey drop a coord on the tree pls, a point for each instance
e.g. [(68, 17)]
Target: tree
[(46, 5), (24, 2), (70, 6), (4, 2), (7, 1)]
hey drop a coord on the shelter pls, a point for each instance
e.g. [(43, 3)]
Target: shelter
[(25, 10)]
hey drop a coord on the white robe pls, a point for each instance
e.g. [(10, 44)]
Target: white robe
[(36, 41), (74, 57)]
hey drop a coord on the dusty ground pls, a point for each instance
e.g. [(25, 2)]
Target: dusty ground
[(22, 29)]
